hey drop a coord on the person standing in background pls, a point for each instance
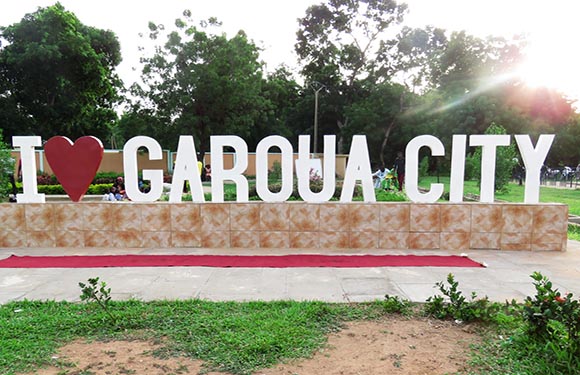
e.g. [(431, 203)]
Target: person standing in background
[(399, 167)]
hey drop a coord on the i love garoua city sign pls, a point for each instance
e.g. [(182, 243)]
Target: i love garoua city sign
[(75, 165)]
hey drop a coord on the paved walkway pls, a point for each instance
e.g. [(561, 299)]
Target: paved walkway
[(506, 277)]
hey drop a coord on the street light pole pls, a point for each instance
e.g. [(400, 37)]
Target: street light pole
[(316, 86)]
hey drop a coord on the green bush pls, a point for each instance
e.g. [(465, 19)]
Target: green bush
[(395, 304), (98, 189), (390, 196), (505, 160), (51, 189), (472, 168), (276, 173), (552, 316), (6, 168), (105, 177), (43, 178), (456, 306), (424, 167)]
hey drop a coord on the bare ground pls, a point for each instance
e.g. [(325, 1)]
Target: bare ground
[(395, 346)]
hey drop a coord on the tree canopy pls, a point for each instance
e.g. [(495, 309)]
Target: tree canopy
[(57, 76), (201, 83)]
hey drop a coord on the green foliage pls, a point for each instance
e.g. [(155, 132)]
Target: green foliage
[(6, 169), (505, 160), (472, 168), (538, 338), (98, 189), (395, 304), (43, 178), (551, 316), (359, 96), (105, 177), (424, 168), (456, 306), (51, 189), (199, 82), (390, 196), (59, 74), (96, 292), (275, 174), (574, 232)]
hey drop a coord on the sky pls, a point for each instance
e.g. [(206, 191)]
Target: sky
[(551, 26)]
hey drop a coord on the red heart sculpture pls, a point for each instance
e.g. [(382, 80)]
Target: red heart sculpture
[(74, 165)]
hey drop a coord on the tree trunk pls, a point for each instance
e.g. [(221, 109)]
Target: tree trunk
[(390, 128), (340, 143), (385, 141)]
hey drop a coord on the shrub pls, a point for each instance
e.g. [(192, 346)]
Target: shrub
[(424, 167), (395, 304), (505, 160), (51, 189), (276, 172), (105, 177), (6, 168), (456, 306), (390, 196), (46, 179), (99, 189), (549, 313)]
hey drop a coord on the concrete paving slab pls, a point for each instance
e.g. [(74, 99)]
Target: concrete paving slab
[(507, 276)]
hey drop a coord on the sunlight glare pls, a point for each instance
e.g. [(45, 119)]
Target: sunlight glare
[(550, 66)]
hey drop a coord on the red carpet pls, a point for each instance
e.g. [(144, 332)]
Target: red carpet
[(281, 261)]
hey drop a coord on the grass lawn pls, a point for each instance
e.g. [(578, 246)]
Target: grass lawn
[(229, 336), (242, 338)]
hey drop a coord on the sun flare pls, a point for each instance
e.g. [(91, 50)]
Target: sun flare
[(545, 69), (551, 61)]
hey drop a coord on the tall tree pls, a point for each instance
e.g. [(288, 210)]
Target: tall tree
[(377, 115), (202, 83), (338, 42), (57, 76), (6, 169), (281, 94), (468, 81), (412, 57)]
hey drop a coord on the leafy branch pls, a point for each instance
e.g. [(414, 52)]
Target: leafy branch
[(97, 292)]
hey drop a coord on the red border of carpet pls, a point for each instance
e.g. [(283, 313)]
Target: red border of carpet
[(242, 261)]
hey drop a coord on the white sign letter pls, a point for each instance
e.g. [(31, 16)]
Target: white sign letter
[(412, 168), (28, 165), (533, 161), (155, 176), (262, 169), (488, 143), (219, 174), (457, 168), (358, 168), (186, 170), (303, 169)]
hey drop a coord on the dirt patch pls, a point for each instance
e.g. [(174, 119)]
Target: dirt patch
[(116, 357), (391, 347), (397, 346)]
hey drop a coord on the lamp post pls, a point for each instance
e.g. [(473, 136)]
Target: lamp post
[(316, 86)]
